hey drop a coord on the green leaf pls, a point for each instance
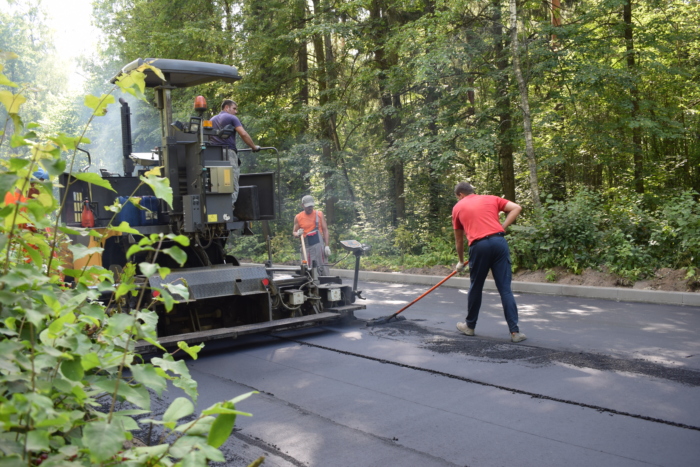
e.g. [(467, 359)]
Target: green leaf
[(99, 104), (221, 430), (148, 269), (148, 66), (103, 439), (93, 178), (73, 369), (153, 452), (127, 423), (118, 323), (161, 187), (55, 167), (233, 401), (72, 230), (181, 239), (193, 458), (4, 81), (68, 143), (134, 83), (125, 228), (176, 253), (57, 325), (81, 251), (38, 440), (17, 163), (7, 183), (185, 382), (148, 375), (12, 102), (179, 408), (18, 140), (133, 249), (90, 361), (35, 255), (199, 427), (191, 351)]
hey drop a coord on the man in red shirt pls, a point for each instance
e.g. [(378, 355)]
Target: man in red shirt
[(477, 216)]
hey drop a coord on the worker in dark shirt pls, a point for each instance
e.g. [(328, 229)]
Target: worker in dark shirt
[(226, 117)]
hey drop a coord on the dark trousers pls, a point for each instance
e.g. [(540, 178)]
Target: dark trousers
[(491, 253)]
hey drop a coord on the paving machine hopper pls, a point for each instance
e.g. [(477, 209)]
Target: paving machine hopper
[(226, 299)]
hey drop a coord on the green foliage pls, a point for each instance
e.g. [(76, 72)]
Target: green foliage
[(565, 234), (618, 233), (379, 108), (550, 275), (66, 358)]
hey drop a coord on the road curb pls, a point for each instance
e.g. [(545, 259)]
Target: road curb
[(606, 293)]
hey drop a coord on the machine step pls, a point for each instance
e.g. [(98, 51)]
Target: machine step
[(195, 338), (346, 308)]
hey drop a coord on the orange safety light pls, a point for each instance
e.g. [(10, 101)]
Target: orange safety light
[(200, 104), (207, 124)]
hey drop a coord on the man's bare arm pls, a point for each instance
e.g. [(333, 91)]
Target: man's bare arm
[(513, 211), (459, 244), (246, 137)]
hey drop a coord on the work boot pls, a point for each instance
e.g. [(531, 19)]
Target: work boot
[(517, 337), (462, 326)]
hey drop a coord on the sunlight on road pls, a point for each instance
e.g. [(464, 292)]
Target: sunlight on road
[(664, 328), (355, 335), (384, 302), (578, 311)]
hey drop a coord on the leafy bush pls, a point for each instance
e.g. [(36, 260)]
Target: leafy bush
[(63, 353), (566, 234), (620, 233), (675, 239)]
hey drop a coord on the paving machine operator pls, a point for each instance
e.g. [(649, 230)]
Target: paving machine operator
[(227, 116)]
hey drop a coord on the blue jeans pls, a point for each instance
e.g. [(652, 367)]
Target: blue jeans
[(491, 253)]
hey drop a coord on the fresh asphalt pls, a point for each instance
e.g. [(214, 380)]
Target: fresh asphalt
[(597, 382)]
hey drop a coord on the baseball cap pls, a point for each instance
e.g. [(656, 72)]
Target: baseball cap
[(307, 201), (40, 174)]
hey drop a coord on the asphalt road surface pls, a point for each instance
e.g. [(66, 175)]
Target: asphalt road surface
[(597, 383)]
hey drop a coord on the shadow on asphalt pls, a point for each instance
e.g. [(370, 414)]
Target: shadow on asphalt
[(441, 341)]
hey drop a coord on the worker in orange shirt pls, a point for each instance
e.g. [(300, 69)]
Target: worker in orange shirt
[(16, 197), (310, 224)]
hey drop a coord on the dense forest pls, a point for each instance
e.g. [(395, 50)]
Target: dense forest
[(585, 112)]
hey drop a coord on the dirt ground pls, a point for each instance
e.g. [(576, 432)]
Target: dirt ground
[(664, 279)]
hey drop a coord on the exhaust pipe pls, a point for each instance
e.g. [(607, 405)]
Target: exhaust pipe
[(127, 147)]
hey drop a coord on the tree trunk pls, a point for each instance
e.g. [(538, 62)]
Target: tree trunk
[(525, 106), (302, 65), (390, 120), (434, 192), (637, 155), (325, 124), (502, 99)]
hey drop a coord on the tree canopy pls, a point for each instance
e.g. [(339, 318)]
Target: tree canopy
[(379, 107)]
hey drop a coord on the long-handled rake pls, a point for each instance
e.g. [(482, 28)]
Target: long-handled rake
[(396, 316)]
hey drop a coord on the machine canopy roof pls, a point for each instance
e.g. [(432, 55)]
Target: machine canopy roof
[(182, 73)]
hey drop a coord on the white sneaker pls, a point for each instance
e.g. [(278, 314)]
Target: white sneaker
[(517, 337), (462, 326)]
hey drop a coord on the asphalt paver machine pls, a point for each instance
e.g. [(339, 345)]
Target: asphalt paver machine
[(226, 299)]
